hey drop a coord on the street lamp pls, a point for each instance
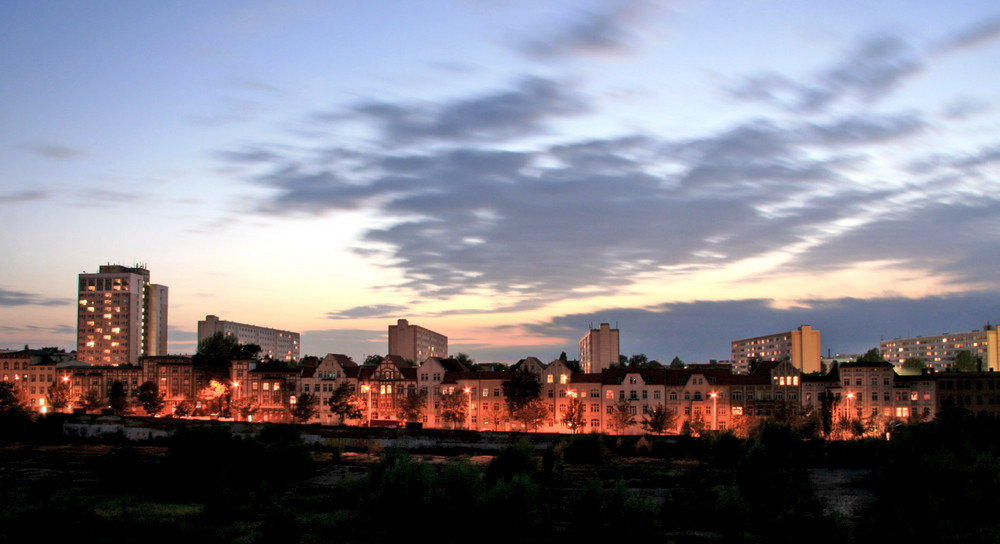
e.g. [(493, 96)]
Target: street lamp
[(368, 389), (849, 397), (715, 411), (468, 393)]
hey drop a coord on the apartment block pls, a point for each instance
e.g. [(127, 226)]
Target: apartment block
[(274, 343), (121, 316), (415, 343), (939, 351), (599, 348), (800, 347)]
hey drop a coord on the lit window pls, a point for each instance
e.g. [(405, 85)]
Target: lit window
[(563, 378), (548, 379)]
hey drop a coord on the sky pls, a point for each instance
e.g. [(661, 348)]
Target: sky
[(508, 173)]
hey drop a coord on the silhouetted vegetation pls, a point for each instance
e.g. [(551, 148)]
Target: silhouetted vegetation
[(931, 482)]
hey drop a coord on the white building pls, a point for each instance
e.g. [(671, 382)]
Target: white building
[(939, 351), (121, 316), (274, 343)]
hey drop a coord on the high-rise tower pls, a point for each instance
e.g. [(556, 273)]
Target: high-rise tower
[(121, 316)]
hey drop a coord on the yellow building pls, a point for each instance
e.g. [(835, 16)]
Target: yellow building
[(800, 347)]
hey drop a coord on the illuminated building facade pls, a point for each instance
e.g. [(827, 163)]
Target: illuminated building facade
[(801, 347), (274, 343), (940, 351), (121, 316), (414, 343), (599, 349)]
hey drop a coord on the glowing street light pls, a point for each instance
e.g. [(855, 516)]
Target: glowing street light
[(715, 411), (368, 389), (468, 393), (849, 397)]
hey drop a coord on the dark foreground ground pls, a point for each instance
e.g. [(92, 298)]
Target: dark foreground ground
[(936, 481)]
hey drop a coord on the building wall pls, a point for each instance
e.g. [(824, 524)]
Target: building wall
[(414, 343), (939, 351), (802, 347), (111, 316), (275, 343), (599, 349)]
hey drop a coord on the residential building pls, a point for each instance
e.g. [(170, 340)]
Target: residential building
[(801, 347), (121, 316), (277, 344), (939, 351), (414, 343), (599, 349)]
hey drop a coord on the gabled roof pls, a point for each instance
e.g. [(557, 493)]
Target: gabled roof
[(651, 376)]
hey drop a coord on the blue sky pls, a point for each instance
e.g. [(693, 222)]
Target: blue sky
[(507, 172)]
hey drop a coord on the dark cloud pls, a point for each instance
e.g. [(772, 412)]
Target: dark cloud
[(374, 310), (20, 298), (608, 31), (973, 36), (53, 151), (700, 331), (546, 222), (866, 73), (22, 196), (507, 114)]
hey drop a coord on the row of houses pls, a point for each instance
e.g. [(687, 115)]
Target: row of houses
[(700, 396)]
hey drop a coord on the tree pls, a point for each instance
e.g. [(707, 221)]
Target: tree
[(245, 407), (216, 393), (453, 407), (659, 420), (562, 357), (965, 361), (91, 399), (60, 393), (676, 363), (621, 416), (14, 414), (372, 360), (574, 418), (521, 392), (531, 414), (639, 359), (872, 356), (912, 366), (150, 398), (118, 397), (411, 407), (183, 408), (466, 361), (306, 406), (344, 403), (216, 352)]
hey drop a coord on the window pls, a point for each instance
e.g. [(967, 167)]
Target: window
[(644, 394), (737, 395), (632, 380), (656, 395), (486, 392), (673, 395), (874, 396), (632, 409), (563, 379), (548, 379), (595, 393), (595, 423), (902, 411), (621, 395), (632, 395), (609, 394), (610, 409), (914, 396)]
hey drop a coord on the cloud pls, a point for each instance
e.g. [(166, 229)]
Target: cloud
[(607, 31), (374, 310), (503, 115), (20, 298), (700, 331), (547, 222), (868, 72), (53, 151), (981, 32), (22, 196)]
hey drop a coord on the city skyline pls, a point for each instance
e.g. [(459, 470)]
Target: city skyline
[(507, 174)]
